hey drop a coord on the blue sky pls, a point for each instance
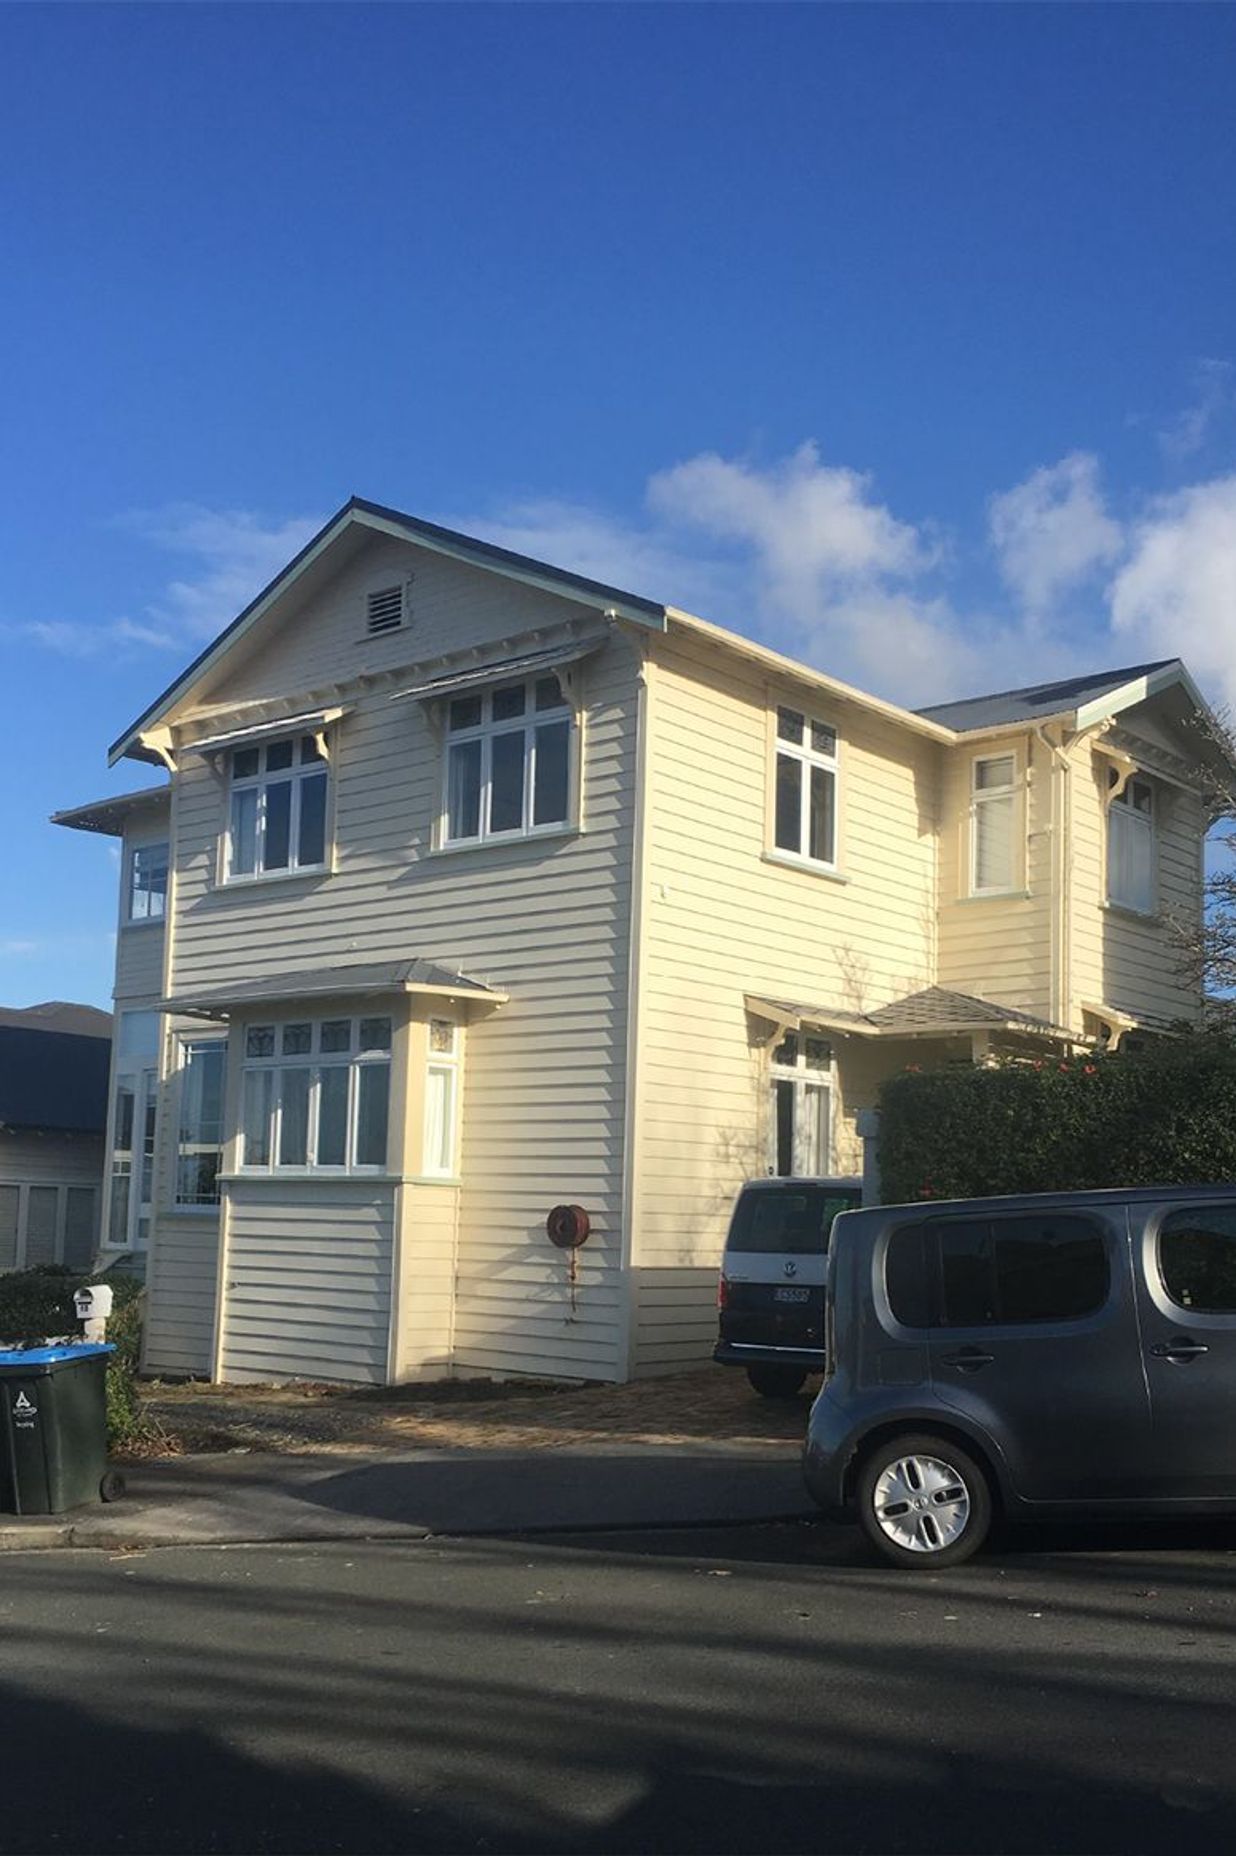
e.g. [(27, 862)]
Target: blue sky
[(901, 337)]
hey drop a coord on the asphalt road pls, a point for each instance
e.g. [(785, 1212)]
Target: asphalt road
[(738, 1689)]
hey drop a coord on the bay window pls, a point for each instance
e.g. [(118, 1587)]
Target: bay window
[(805, 788), (1131, 847), (508, 762), (315, 1096), (441, 1100), (277, 809)]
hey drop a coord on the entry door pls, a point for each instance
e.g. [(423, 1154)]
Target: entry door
[(1034, 1339), (1187, 1292)]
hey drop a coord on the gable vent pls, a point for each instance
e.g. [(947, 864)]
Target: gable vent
[(386, 612)]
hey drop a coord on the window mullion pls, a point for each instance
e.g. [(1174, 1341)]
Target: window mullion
[(529, 773), (259, 830)]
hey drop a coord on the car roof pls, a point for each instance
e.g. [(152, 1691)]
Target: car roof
[(788, 1183), (1043, 1201)]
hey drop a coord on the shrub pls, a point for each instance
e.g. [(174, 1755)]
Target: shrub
[(1166, 1116), (37, 1304)]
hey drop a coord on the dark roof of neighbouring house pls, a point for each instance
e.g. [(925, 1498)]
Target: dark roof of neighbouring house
[(53, 1079), (81, 1021), (1037, 700)]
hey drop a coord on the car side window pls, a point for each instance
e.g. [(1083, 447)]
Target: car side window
[(1197, 1258), (983, 1272)]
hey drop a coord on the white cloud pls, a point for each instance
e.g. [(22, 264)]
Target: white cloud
[(17, 949), (1215, 398), (1052, 532), (1176, 594), (228, 556)]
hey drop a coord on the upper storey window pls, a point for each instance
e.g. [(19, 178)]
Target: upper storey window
[(277, 817), (993, 818), (508, 762), (146, 897), (805, 783), (1131, 847)]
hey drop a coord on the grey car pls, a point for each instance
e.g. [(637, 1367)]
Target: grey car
[(1054, 1355)]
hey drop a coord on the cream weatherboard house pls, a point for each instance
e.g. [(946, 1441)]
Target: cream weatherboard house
[(478, 888)]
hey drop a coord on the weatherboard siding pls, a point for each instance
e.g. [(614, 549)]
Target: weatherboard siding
[(999, 947), (1120, 959), (722, 920), (308, 1293), (545, 920)]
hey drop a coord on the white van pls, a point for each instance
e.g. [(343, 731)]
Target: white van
[(771, 1295)]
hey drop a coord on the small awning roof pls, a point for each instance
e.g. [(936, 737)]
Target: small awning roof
[(108, 815), (306, 724), (365, 979), (932, 1012), (527, 664)]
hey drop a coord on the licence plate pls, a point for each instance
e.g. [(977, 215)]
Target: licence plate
[(791, 1295)]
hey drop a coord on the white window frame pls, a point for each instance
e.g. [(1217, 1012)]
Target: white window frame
[(151, 917), (1133, 820), (315, 1060), (187, 1041), (804, 1078), (445, 1063), (137, 1066), (1004, 795), (808, 755), (486, 731), (260, 782)]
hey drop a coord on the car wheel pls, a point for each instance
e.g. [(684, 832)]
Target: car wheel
[(777, 1381), (923, 1503)]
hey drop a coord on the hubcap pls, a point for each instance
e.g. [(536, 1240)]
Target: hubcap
[(921, 1503)]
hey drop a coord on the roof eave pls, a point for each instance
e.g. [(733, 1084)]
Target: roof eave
[(447, 542)]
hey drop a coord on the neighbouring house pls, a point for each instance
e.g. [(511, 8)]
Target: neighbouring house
[(54, 1061), (476, 888)]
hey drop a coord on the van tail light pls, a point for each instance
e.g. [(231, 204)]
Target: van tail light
[(723, 1293)]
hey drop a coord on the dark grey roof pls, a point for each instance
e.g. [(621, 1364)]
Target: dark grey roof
[(1037, 699), (370, 977), (80, 1021), (108, 815), (51, 1079), (934, 1009)]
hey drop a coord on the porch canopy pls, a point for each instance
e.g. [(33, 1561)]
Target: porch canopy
[(365, 979), (934, 1012)]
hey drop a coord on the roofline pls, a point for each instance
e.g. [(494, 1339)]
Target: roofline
[(449, 542), (791, 667), (77, 818), (1139, 689)]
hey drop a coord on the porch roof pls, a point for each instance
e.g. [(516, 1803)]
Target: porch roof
[(932, 1012), (371, 978)]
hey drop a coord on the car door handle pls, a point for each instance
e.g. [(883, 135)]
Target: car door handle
[(1179, 1350), (969, 1359)]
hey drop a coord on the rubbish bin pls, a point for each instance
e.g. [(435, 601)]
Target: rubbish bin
[(53, 1428)]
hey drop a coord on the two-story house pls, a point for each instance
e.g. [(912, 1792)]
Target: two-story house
[(476, 888)]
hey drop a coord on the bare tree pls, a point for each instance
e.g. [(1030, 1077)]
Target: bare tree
[(1206, 942)]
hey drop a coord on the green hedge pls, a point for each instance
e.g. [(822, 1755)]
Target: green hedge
[(38, 1305), (1166, 1116)]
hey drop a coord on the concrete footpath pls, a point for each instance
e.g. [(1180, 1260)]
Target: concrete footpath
[(247, 1498)]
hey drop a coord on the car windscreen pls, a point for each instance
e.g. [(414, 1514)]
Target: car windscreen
[(796, 1219)]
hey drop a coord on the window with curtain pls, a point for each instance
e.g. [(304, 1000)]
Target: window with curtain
[(315, 1096), (800, 1123), (1131, 847), (442, 1100), (277, 809), (993, 816)]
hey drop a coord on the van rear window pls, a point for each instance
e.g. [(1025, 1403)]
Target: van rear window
[(796, 1221)]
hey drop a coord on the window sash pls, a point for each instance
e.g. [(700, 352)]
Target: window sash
[(800, 1133), (199, 1140), (147, 889), (511, 777), (132, 1161), (1131, 851), (320, 1109), (805, 772), (993, 826), (277, 816)]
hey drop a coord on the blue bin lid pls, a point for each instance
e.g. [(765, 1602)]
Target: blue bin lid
[(51, 1355)]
